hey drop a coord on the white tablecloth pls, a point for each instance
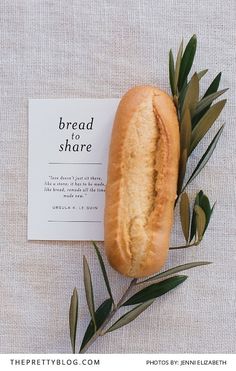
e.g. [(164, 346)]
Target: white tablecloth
[(63, 49)]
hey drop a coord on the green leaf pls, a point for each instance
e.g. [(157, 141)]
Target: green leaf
[(174, 270), (206, 157), (130, 316), (201, 74), (185, 87), (200, 194), (182, 169), (193, 230), (185, 131), (182, 96), (192, 95), (172, 72), (206, 102), (155, 290), (213, 86), (100, 315), (73, 317), (205, 123), (177, 65), (204, 203), (89, 290), (185, 139), (185, 215), (211, 90), (200, 221), (187, 61), (103, 270)]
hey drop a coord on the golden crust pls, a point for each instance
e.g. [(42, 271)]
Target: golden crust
[(142, 181)]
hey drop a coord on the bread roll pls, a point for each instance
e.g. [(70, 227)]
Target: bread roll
[(142, 182)]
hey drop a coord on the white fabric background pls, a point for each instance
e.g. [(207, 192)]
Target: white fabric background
[(98, 48)]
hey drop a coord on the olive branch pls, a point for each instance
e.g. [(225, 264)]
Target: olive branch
[(196, 117)]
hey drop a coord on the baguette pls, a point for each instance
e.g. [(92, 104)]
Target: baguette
[(142, 181)]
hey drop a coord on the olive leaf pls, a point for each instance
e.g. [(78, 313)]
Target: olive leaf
[(200, 221), (187, 61), (201, 74), (207, 101), (89, 290), (206, 156), (213, 86), (177, 64), (185, 131), (183, 92), (211, 90), (155, 290), (193, 229), (192, 95), (73, 317), (182, 169), (179, 268), (185, 215), (182, 96), (100, 315), (172, 72), (185, 142), (208, 210), (205, 123), (103, 271), (130, 316)]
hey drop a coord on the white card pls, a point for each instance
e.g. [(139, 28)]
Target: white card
[(67, 166)]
